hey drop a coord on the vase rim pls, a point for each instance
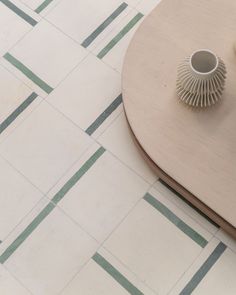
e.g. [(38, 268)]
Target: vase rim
[(203, 73)]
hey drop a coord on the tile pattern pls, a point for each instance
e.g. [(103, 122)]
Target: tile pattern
[(80, 210)]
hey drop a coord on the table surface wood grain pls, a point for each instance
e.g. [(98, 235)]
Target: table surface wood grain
[(197, 148)]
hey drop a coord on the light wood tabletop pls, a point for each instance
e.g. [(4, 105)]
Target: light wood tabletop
[(195, 148)]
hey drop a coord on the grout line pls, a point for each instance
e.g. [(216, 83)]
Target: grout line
[(19, 12), (104, 25)]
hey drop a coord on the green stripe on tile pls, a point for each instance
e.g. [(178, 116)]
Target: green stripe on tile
[(176, 220), (188, 203), (104, 25), (27, 232), (108, 111), (127, 285), (119, 36), (17, 112), (19, 12), (48, 209), (28, 73), (204, 269), (76, 177), (42, 6)]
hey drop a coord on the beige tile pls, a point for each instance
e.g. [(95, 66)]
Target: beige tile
[(44, 146), (52, 254), (93, 279), (150, 246), (119, 140), (9, 285), (103, 196), (227, 239), (87, 92), (51, 57)]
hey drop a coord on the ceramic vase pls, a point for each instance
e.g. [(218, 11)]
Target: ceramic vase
[(201, 79)]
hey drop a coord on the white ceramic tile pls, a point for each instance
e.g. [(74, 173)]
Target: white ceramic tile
[(44, 146), (17, 198), (9, 285), (150, 246), (146, 6), (115, 57), (52, 254), (48, 53), (171, 196), (87, 92), (85, 16), (13, 28), (119, 140), (103, 196), (93, 279)]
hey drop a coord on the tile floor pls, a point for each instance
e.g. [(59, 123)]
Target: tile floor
[(80, 211)]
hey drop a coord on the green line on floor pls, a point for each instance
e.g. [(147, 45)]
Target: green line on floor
[(48, 209), (19, 12), (204, 269), (43, 6), (108, 111), (76, 177), (104, 25), (28, 73), (119, 36), (24, 235), (188, 203), (127, 285), (17, 112), (190, 232)]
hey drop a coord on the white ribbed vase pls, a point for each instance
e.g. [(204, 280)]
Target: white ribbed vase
[(201, 79)]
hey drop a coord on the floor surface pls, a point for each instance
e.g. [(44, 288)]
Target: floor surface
[(80, 211)]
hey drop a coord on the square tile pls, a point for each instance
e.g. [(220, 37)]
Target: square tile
[(85, 16), (48, 53), (87, 92), (44, 146), (150, 245), (13, 28), (9, 285), (17, 198), (51, 254), (103, 196), (119, 140), (117, 41), (94, 279)]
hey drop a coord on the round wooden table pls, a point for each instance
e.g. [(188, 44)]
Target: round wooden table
[(194, 151)]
